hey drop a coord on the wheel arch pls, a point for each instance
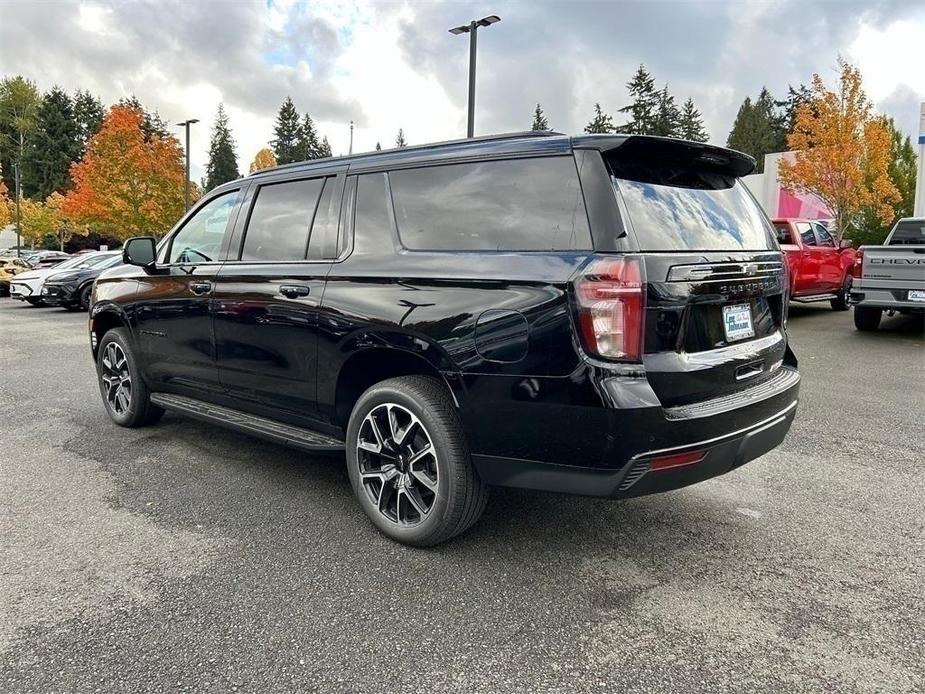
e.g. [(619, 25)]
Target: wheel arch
[(102, 320), (367, 367)]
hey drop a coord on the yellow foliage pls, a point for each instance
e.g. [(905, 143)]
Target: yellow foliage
[(264, 159), (842, 151)]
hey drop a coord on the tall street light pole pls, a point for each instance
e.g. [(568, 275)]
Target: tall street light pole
[(472, 29), (17, 188), (186, 124)]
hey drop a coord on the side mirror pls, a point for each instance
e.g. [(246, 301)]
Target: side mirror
[(139, 250), (846, 243)]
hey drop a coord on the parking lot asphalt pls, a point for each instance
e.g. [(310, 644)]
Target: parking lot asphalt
[(184, 558)]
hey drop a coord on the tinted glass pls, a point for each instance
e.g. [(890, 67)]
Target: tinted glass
[(805, 231), (909, 231), (525, 204), (200, 239), (783, 232), (324, 229), (372, 223), (667, 217), (825, 238), (280, 221)]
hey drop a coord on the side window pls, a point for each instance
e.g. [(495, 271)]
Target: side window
[(372, 218), (280, 221), (825, 238), (783, 232), (324, 231), (200, 239), (806, 233), (517, 204)]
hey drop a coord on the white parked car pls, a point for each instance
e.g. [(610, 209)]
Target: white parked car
[(27, 286)]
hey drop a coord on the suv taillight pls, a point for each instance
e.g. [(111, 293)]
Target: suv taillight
[(858, 265), (611, 296)]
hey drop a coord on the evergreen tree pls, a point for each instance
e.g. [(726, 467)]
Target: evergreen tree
[(539, 119), (667, 121), (756, 130), (325, 150), (786, 115), (152, 125), (287, 132), (88, 112), (601, 123), (690, 126), (223, 162), (52, 147), (400, 139), (378, 147), (645, 104), (307, 145)]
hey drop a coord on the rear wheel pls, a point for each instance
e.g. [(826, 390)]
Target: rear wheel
[(866, 318), (840, 302), (125, 394), (409, 463)]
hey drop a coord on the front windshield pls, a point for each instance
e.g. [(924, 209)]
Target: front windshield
[(93, 260)]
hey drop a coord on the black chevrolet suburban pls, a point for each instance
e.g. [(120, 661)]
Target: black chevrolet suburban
[(601, 315)]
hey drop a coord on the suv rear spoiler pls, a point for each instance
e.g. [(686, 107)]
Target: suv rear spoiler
[(693, 155)]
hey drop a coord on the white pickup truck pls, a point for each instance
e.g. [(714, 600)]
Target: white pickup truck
[(891, 277)]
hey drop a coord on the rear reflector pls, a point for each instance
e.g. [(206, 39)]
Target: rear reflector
[(667, 462), (611, 295)]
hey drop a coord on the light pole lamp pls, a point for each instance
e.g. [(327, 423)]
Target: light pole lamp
[(186, 124), (472, 29)]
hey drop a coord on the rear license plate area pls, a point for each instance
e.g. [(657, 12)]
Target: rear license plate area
[(737, 322)]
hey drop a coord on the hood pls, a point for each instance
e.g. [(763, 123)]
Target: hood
[(36, 274)]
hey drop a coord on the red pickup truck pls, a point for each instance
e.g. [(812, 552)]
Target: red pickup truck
[(820, 270)]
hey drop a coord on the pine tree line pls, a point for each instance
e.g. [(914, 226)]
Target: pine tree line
[(761, 126), (652, 111), (295, 137)]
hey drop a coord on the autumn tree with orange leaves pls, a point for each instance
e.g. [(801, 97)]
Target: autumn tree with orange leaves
[(264, 159), (128, 183), (842, 152)]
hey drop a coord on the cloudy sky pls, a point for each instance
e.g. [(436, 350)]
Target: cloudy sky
[(387, 65)]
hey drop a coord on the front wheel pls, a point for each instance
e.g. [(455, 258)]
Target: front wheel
[(125, 394), (866, 318), (84, 300), (409, 463)]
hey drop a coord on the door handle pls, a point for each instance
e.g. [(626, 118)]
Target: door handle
[(200, 287), (293, 291)]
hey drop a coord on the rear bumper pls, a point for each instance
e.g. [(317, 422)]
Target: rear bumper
[(617, 451), (894, 299), (637, 477)]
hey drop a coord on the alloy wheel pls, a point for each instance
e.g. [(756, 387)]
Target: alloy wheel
[(117, 380), (398, 464)]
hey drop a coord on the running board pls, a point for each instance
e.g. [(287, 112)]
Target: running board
[(812, 298), (286, 434)]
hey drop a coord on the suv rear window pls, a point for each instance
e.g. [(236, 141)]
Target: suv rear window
[(720, 216), (909, 232), (510, 205)]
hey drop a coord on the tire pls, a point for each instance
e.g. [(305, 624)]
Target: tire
[(866, 318), (442, 483), (133, 407), (840, 302), (84, 297)]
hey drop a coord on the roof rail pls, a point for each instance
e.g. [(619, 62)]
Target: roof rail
[(413, 148)]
